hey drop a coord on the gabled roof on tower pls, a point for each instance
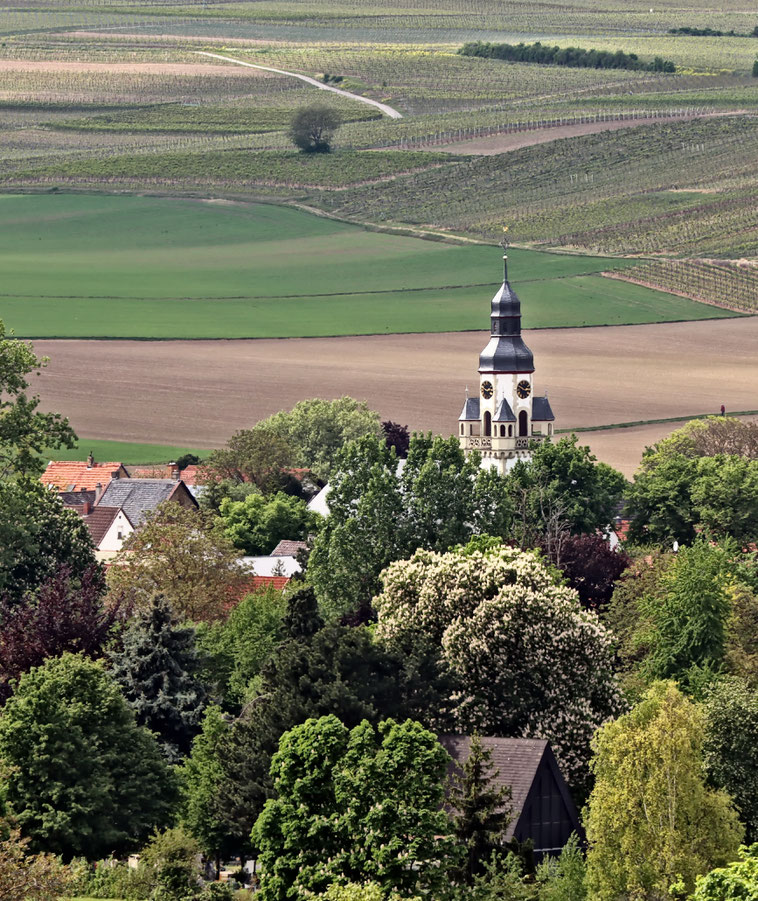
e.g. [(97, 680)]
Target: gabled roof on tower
[(504, 412), (470, 410), (541, 410)]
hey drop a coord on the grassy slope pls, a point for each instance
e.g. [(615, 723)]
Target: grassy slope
[(123, 451), (91, 266)]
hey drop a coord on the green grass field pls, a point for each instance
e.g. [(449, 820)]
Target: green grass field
[(142, 267), (123, 452)]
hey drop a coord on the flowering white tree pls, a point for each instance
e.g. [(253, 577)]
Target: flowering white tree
[(529, 661)]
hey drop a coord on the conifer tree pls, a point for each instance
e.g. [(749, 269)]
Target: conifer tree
[(483, 811), (302, 618), (155, 671)]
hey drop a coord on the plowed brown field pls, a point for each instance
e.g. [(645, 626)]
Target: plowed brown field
[(196, 393)]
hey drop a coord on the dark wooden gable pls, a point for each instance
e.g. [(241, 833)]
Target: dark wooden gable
[(541, 806), (549, 815)]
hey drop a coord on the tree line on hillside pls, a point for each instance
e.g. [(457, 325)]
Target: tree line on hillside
[(164, 707), (573, 57)]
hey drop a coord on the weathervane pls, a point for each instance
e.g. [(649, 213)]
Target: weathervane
[(505, 244)]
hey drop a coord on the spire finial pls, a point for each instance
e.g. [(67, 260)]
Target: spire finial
[(466, 392), (505, 244)]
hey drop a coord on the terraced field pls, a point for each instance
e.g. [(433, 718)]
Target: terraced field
[(138, 267)]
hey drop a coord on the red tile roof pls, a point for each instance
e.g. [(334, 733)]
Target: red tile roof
[(258, 582), (99, 521), (72, 475)]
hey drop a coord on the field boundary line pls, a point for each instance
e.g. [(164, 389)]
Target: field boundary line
[(387, 110), (641, 422)]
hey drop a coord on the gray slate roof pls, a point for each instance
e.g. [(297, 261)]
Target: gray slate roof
[(470, 410), (516, 761), (504, 412), (506, 351), (138, 496), (541, 411)]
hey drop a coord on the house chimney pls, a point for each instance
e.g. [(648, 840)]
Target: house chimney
[(90, 460), (86, 507), (98, 493), (175, 472)]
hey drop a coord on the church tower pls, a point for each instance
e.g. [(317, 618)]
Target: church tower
[(506, 416)]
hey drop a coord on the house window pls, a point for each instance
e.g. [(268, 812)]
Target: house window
[(120, 535)]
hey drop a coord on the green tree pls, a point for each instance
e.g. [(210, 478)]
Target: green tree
[(156, 669), (235, 650), (202, 775), (736, 882), (338, 670), (564, 479), (356, 805), (25, 431), (525, 657), (181, 554), (563, 878), (377, 516), (686, 623), (725, 497), (731, 739), (312, 128), (38, 536), (364, 530), (659, 503), (171, 859), (101, 784), (651, 820), (257, 524), (318, 429), (260, 455), (481, 811)]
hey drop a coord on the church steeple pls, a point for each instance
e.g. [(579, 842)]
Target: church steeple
[(506, 351)]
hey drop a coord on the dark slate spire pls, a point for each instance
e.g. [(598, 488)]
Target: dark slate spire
[(506, 351)]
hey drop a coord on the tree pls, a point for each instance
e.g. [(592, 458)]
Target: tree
[(725, 497), (65, 614), (318, 429), (481, 811), (156, 667), (376, 516), (738, 881), (565, 476), (202, 775), (38, 535), (685, 625), (364, 529), (236, 650), (563, 878), (24, 430), (659, 503), (171, 858), (257, 524), (25, 876), (591, 567), (527, 659), (755, 64), (652, 822), (339, 670), (260, 455), (101, 784), (356, 805), (180, 554), (312, 128), (731, 737), (397, 436)]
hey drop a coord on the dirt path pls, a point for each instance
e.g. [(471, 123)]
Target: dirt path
[(387, 110), (495, 144), (196, 393)]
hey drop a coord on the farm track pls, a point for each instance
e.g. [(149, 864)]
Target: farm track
[(196, 393), (387, 110)]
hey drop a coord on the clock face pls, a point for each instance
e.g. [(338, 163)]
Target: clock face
[(487, 390), (523, 389)]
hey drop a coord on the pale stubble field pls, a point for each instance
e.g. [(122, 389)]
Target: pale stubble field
[(196, 393)]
